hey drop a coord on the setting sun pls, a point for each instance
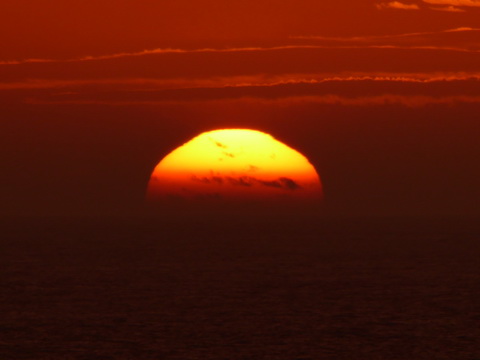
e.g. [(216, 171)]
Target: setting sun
[(234, 165)]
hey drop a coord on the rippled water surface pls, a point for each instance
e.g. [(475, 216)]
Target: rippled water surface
[(138, 289)]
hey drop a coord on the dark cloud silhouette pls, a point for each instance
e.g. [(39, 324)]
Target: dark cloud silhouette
[(219, 144), (248, 181), (231, 155), (208, 180), (289, 183), (241, 181), (275, 184), (283, 182)]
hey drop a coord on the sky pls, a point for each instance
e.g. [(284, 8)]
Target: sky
[(383, 97)]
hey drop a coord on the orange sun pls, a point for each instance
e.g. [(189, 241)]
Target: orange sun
[(234, 165)]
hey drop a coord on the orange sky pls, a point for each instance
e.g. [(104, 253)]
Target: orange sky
[(382, 96), (33, 28)]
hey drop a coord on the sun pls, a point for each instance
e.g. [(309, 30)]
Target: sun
[(234, 165)]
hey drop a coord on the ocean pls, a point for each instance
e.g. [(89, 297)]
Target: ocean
[(146, 288)]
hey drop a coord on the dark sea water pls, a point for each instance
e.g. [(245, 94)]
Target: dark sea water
[(143, 289)]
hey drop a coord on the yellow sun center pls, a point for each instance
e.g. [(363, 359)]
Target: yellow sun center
[(234, 165)]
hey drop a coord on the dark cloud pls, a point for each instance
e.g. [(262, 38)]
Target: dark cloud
[(218, 143), (230, 155), (275, 184), (208, 180), (283, 182), (289, 183), (241, 181), (249, 181)]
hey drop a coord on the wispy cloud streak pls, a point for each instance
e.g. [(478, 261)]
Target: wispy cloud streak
[(397, 5), (448, 9), (142, 84), (441, 5), (387, 99), (160, 51), (466, 3), (384, 37)]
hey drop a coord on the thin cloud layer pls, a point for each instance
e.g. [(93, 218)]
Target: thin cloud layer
[(328, 42), (333, 100), (467, 3), (426, 37), (148, 85), (397, 5), (448, 9), (249, 181), (456, 6), (409, 92), (407, 68), (455, 39)]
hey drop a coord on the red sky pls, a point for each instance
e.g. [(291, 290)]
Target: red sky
[(382, 96), (33, 28)]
